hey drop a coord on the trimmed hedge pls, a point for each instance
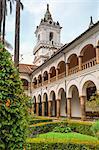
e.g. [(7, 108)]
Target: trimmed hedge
[(35, 121), (55, 144), (79, 127), (42, 128)]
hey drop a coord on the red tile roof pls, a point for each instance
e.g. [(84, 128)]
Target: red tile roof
[(26, 68)]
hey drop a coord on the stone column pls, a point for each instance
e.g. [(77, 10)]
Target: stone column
[(69, 107), (67, 69), (48, 77), (42, 80), (37, 109), (43, 108), (80, 63), (57, 73), (83, 109), (97, 53), (58, 107), (49, 108)]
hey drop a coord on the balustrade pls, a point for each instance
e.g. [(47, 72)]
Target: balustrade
[(73, 70), (53, 79), (89, 63), (61, 75)]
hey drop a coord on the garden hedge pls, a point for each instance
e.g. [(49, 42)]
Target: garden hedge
[(54, 144), (39, 120), (80, 127)]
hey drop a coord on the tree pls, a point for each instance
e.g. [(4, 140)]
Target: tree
[(93, 103), (13, 109), (17, 32), (3, 13)]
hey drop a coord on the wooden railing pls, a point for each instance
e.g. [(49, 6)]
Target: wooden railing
[(89, 63), (34, 86), (39, 84), (53, 79), (61, 75), (73, 70), (45, 82)]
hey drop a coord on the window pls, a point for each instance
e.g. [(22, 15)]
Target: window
[(50, 36)]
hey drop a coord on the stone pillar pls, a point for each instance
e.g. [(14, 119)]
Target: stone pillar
[(49, 108), (42, 80), (43, 108), (80, 63), (48, 77), (97, 53), (37, 109), (67, 69), (37, 82), (83, 109), (57, 74), (58, 107), (69, 107)]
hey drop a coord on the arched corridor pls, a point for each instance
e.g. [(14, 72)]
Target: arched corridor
[(40, 106), (45, 99), (63, 106), (34, 103), (75, 102), (89, 89), (53, 105)]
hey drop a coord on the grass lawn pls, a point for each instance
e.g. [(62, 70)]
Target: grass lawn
[(67, 136)]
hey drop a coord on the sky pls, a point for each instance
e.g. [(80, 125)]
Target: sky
[(73, 16)]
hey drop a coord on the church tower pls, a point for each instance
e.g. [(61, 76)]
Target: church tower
[(48, 38)]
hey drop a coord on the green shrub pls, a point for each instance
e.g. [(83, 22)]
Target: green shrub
[(43, 127), (35, 121), (62, 129), (95, 129), (75, 126), (49, 144), (80, 127)]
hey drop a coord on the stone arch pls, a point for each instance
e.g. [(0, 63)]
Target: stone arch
[(40, 105), (25, 84), (25, 77), (61, 67), (62, 97), (75, 101), (52, 72), (40, 78), (88, 52), (72, 64), (54, 105), (45, 99), (89, 88), (87, 78), (69, 85), (72, 60), (35, 82), (45, 76), (34, 103)]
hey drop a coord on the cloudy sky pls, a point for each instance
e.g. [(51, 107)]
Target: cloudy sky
[(73, 16)]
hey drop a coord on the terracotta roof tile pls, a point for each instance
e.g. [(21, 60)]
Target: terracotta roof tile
[(26, 68)]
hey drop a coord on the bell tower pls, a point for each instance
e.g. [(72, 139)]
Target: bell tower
[(48, 38)]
